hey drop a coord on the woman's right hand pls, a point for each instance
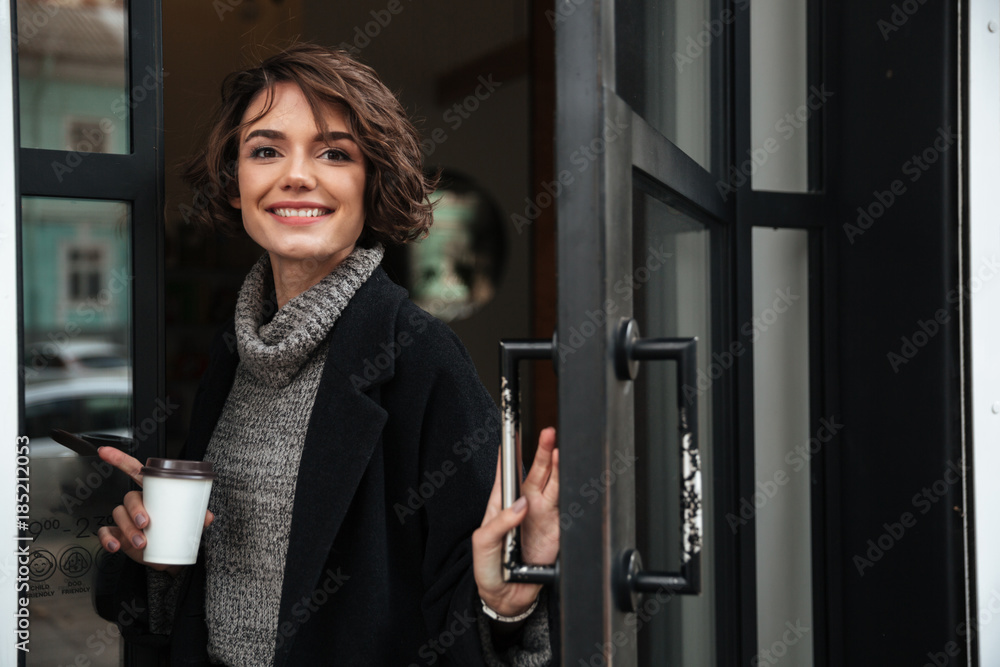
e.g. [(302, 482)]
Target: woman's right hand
[(130, 517)]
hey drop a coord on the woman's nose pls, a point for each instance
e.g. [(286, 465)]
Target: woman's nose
[(299, 173)]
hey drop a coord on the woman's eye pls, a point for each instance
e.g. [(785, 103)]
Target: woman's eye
[(336, 155), (263, 152)]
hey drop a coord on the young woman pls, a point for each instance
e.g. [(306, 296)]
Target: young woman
[(352, 521)]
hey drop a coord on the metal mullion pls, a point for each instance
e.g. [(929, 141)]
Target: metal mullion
[(656, 155), (743, 390), (580, 263), (94, 176), (729, 570), (824, 469), (819, 467), (789, 210), (147, 325), (815, 77), (720, 115), (145, 79), (147, 191), (830, 591), (145, 65)]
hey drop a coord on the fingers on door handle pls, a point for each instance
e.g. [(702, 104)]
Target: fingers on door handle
[(512, 352)]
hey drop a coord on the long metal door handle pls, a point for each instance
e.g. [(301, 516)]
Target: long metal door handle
[(631, 580), (511, 354)]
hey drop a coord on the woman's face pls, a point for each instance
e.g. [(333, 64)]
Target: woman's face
[(301, 194)]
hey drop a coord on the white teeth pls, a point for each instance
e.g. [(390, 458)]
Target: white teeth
[(300, 212)]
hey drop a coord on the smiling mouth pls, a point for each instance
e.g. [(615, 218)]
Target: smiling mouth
[(300, 212)]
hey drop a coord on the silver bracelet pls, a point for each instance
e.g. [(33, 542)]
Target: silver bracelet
[(496, 616)]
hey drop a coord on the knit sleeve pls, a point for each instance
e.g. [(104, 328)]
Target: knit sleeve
[(122, 596), (162, 590), (533, 645)]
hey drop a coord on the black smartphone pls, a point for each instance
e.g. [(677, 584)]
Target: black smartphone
[(74, 442)]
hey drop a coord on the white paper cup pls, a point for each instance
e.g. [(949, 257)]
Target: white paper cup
[(175, 494)]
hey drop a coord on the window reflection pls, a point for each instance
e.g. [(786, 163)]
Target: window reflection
[(73, 75), (76, 277), (665, 52)]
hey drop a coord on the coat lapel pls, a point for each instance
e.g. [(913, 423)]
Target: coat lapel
[(344, 429)]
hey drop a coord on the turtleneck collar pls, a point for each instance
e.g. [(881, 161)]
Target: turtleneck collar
[(275, 350)]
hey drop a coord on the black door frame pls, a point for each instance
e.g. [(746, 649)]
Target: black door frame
[(136, 178)]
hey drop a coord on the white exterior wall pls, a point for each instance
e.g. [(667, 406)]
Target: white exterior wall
[(982, 143), (9, 346)]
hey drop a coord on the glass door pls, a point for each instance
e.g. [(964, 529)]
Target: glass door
[(88, 85), (649, 258)]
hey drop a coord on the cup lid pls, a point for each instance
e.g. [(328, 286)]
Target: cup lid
[(178, 469)]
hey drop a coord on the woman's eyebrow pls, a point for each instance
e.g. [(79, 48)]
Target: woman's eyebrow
[(334, 136), (320, 138), (267, 134)]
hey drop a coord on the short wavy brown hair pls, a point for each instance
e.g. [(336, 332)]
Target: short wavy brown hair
[(397, 208)]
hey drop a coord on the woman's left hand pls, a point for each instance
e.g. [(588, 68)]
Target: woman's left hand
[(538, 509)]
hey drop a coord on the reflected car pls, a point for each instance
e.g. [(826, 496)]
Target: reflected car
[(44, 361), (92, 404)]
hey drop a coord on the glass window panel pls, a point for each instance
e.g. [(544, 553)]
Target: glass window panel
[(782, 445), (73, 75), (781, 103), (672, 257), (76, 276), (665, 53)]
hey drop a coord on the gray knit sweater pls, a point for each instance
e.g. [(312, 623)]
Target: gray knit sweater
[(256, 448)]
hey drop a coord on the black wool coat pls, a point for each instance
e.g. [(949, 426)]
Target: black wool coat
[(396, 471)]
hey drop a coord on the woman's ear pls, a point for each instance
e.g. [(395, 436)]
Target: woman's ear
[(235, 202)]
